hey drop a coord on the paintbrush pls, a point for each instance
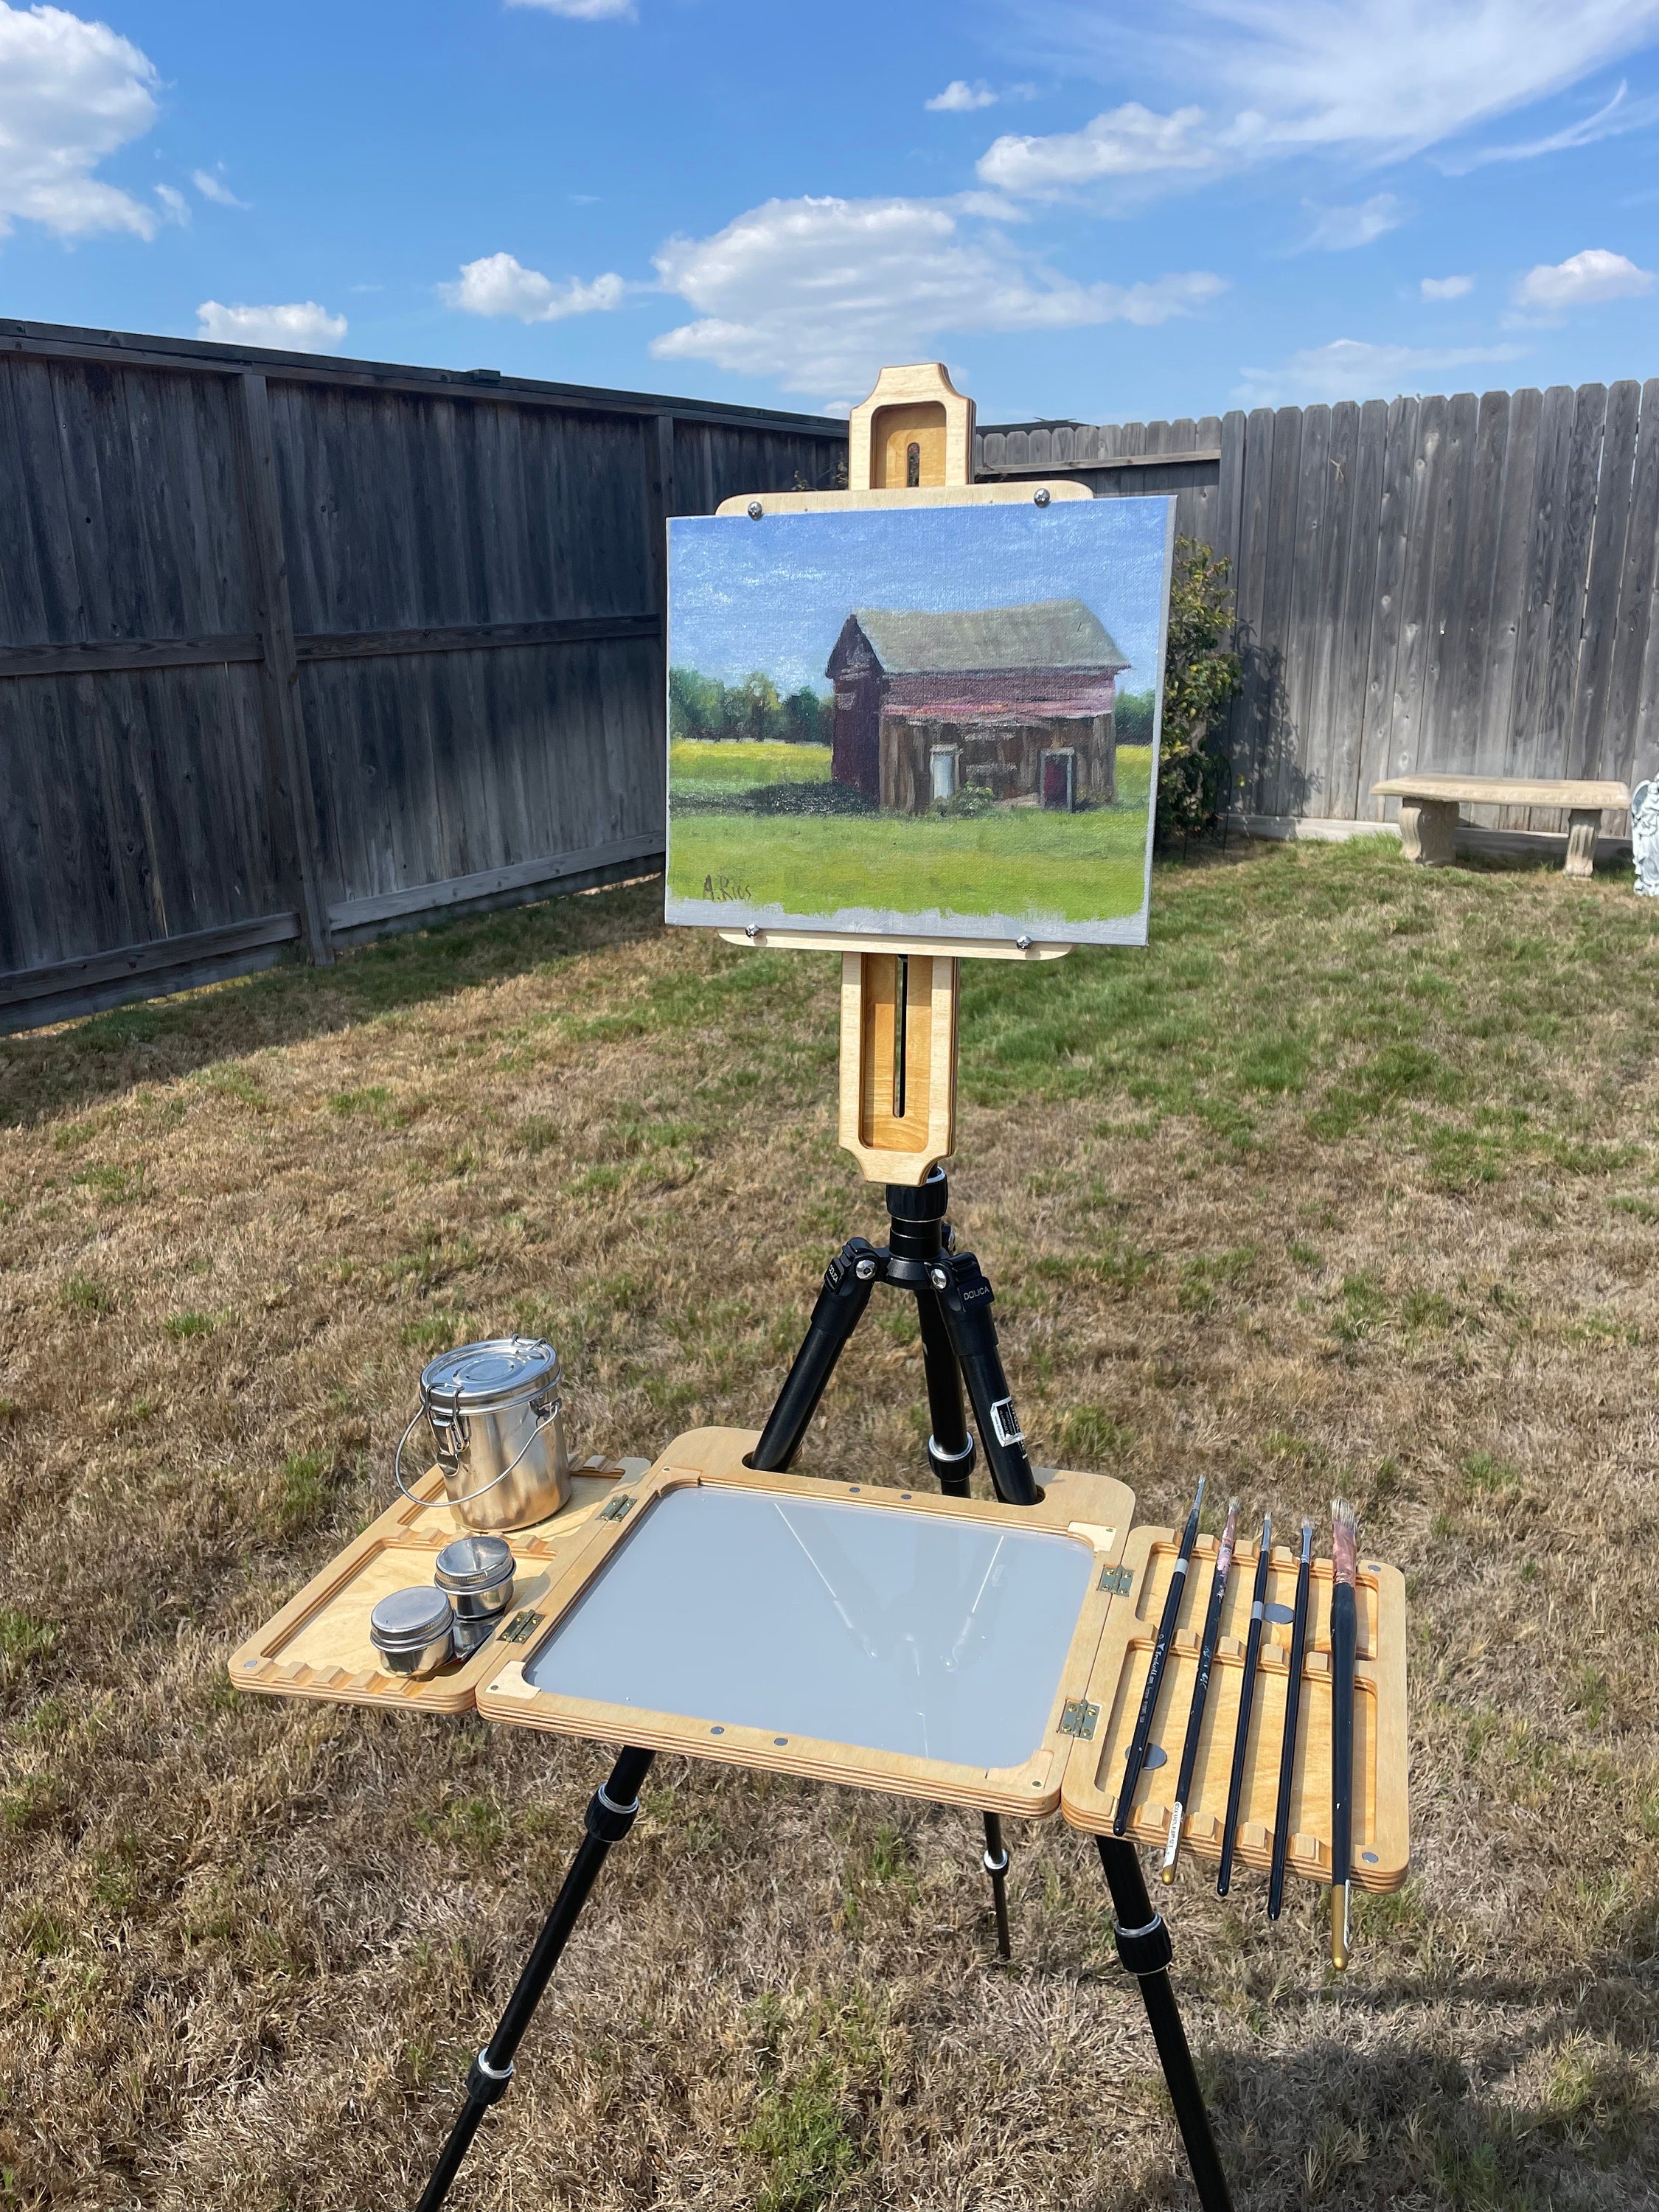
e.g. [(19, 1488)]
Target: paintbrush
[(1246, 1702), (1292, 1713), (1224, 1562), (1345, 1539), (1166, 1628)]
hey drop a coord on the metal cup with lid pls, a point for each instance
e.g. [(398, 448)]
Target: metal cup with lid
[(477, 1573), (498, 1430), (412, 1629)]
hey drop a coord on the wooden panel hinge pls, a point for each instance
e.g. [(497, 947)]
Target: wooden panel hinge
[(616, 1508), (522, 1630), (1078, 1717), (1119, 1580)]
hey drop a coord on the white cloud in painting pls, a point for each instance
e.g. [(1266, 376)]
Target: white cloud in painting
[(1350, 369), (497, 284), (211, 183), (1446, 287), (72, 93), (1582, 280), (1267, 79), (173, 201), (300, 326), (961, 98), (1613, 119), (820, 292), (1339, 230)]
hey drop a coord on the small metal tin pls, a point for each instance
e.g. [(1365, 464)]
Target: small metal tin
[(412, 1629), (477, 1573)]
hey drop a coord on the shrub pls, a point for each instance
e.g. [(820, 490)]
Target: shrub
[(1201, 677)]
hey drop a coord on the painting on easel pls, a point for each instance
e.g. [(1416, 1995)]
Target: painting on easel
[(907, 721)]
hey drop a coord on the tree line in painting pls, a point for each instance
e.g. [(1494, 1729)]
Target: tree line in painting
[(753, 711)]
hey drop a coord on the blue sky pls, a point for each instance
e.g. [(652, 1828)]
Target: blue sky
[(774, 594), (1087, 211)]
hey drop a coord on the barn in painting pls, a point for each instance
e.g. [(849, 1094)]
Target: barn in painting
[(1018, 701)]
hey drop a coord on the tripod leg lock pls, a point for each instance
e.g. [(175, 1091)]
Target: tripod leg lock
[(605, 1820), (486, 2084), (1145, 1950)]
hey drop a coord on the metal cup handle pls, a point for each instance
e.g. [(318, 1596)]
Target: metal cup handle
[(546, 1415)]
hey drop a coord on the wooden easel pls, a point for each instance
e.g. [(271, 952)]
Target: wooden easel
[(910, 444)]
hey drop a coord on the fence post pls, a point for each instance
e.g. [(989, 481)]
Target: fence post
[(294, 817)]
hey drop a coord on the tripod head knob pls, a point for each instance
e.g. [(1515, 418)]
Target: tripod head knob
[(919, 1201)]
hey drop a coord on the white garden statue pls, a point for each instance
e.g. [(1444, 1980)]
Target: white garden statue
[(1644, 837)]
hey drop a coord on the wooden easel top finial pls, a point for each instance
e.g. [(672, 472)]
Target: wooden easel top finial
[(915, 429)]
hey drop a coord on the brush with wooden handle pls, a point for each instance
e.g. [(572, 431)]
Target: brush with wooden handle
[(1345, 1542)]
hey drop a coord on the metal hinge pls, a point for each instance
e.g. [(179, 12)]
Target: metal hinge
[(1119, 1580), (616, 1508), (522, 1630), (1078, 1717)]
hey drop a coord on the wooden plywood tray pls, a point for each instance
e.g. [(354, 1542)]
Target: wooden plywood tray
[(1092, 1510), (318, 1645), (1117, 1680)]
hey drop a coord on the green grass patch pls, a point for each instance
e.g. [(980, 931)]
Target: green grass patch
[(704, 768)]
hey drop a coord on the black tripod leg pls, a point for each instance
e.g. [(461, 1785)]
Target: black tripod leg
[(1142, 1945), (610, 1814), (965, 1300), (847, 1282), (949, 1446), (996, 1865)]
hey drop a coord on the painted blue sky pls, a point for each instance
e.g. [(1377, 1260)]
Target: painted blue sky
[(1088, 210), (774, 594)]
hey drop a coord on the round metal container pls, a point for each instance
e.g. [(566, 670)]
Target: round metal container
[(478, 1572), (411, 1630), (494, 1413)]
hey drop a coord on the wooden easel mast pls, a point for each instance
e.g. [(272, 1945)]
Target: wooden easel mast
[(910, 440)]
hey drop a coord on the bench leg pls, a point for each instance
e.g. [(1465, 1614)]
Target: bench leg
[(1584, 823), (1427, 828)]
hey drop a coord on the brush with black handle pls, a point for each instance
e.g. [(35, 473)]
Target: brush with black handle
[(1224, 1561), (1166, 1628), (1292, 1714), (1345, 1543), (1264, 1558)]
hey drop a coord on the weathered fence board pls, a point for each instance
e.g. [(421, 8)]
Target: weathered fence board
[(298, 649), (1460, 583)]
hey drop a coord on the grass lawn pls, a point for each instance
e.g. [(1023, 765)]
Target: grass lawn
[(1056, 867), (1347, 1182)]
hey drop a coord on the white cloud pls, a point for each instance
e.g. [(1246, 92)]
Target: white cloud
[(1447, 288), (1584, 280), (582, 11), (72, 93), (1348, 368), (1129, 140), (499, 285), (1341, 228), (961, 98), (299, 327), (1379, 78), (177, 206), (213, 187), (820, 292), (1612, 121)]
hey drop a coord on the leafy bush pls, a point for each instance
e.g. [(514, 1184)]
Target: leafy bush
[(1201, 677), (969, 800)]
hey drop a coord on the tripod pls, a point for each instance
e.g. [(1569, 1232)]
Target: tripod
[(958, 1345)]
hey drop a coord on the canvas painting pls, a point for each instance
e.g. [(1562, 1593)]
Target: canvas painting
[(918, 722)]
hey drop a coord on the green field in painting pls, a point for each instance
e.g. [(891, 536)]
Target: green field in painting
[(1018, 860), (705, 766)]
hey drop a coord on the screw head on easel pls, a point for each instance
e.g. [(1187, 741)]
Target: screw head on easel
[(756, 510)]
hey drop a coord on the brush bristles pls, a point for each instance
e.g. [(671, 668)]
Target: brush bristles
[(1345, 1539)]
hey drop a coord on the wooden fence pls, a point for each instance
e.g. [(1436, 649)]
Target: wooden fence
[(296, 650), (1463, 583)]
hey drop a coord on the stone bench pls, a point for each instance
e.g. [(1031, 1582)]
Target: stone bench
[(1429, 804)]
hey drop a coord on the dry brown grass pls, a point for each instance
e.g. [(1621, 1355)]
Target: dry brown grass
[(1349, 1182)]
